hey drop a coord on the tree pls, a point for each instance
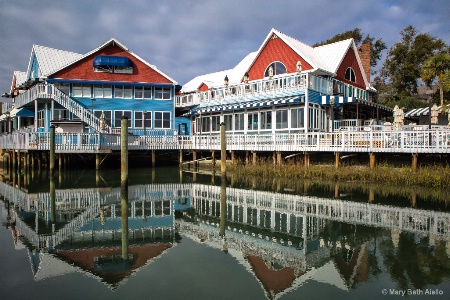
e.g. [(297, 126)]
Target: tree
[(376, 46), (438, 68), (404, 61)]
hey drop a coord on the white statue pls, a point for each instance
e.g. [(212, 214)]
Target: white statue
[(299, 67)]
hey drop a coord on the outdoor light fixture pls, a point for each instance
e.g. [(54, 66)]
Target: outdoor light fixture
[(246, 77)]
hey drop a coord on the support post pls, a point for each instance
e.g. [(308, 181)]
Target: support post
[(52, 150), (372, 160), (337, 157), (254, 158), (213, 160), (414, 161), (124, 153), (279, 160), (181, 158), (153, 158), (98, 157), (306, 160), (223, 150)]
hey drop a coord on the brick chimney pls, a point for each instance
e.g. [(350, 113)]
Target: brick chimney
[(364, 55)]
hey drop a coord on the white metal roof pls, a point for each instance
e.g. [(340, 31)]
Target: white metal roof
[(50, 59), (114, 41), (216, 79), (334, 53), (20, 77), (306, 52)]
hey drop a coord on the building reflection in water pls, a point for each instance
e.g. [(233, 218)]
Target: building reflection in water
[(283, 240)]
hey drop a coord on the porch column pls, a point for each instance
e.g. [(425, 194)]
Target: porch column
[(414, 161), (372, 160), (35, 116), (306, 107), (337, 156)]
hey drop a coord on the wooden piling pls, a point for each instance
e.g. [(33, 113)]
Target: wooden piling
[(372, 160), (223, 150), (153, 158), (414, 161), (52, 151), (337, 157), (124, 153)]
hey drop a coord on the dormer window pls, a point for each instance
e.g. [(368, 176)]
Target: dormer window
[(350, 75), (275, 68), (113, 64)]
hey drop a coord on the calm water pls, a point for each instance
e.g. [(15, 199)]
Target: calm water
[(190, 236)]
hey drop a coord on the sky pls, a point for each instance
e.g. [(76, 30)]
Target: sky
[(187, 38)]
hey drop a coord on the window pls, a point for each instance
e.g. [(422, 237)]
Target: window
[(60, 114), (123, 91), (252, 121), (142, 119), (215, 123), (40, 122), (228, 119), (162, 94), (350, 75), (102, 91), (123, 70), (162, 120), (118, 114), (282, 119), (265, 120), (107, 114), (297, 118), (142, 92), (81, 90), (277, 68), (63, 87), (239, 121)]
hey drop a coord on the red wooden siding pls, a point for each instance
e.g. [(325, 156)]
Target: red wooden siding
[(203, 87), (276, 50), (350, 61), (84, 69)]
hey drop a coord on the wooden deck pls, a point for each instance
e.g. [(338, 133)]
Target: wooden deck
[(409, 141)]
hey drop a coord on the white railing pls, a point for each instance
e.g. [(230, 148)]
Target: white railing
[(49, 91), (283, 86), (407, 141)]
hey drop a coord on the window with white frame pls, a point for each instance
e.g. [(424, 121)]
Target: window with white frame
[(142, 92), (277, 68), (162, 119), (297, 117), (118, 114), (102, 91), (282, 119), (350, 75), (107, 114), (204, 124), (265, 120), (228, 119), (163, 93), (215, 123), (252, 121), (123, 91), (81, 90), (143, 119), (239, 121), (40, 121)]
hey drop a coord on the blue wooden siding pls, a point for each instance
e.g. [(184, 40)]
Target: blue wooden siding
[(314, 97), (34, 70)]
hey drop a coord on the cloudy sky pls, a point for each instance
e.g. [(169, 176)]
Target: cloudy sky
[(187, 38)]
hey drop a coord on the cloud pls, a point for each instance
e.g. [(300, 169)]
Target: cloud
[(188, 38)]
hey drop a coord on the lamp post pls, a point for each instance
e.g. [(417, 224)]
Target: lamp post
[(145, 113)]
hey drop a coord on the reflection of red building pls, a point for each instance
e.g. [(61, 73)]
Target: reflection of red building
[(86, 260)]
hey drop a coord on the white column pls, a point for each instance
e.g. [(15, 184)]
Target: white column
[(35, 115)]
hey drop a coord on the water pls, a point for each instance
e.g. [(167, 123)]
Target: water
[(64, 239)]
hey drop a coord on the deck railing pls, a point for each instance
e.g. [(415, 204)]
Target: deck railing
[(408, 141), (49, 91)]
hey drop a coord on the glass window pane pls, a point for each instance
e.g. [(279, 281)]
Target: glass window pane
[(127, 92), (138, 92), (147, 92), (118, 91)]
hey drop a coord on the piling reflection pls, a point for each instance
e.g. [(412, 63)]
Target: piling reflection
[(282, 238)]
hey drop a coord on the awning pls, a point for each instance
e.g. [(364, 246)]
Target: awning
[(120, 61), (419, 112), (343, 100), (25, 112), (252, 104)]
